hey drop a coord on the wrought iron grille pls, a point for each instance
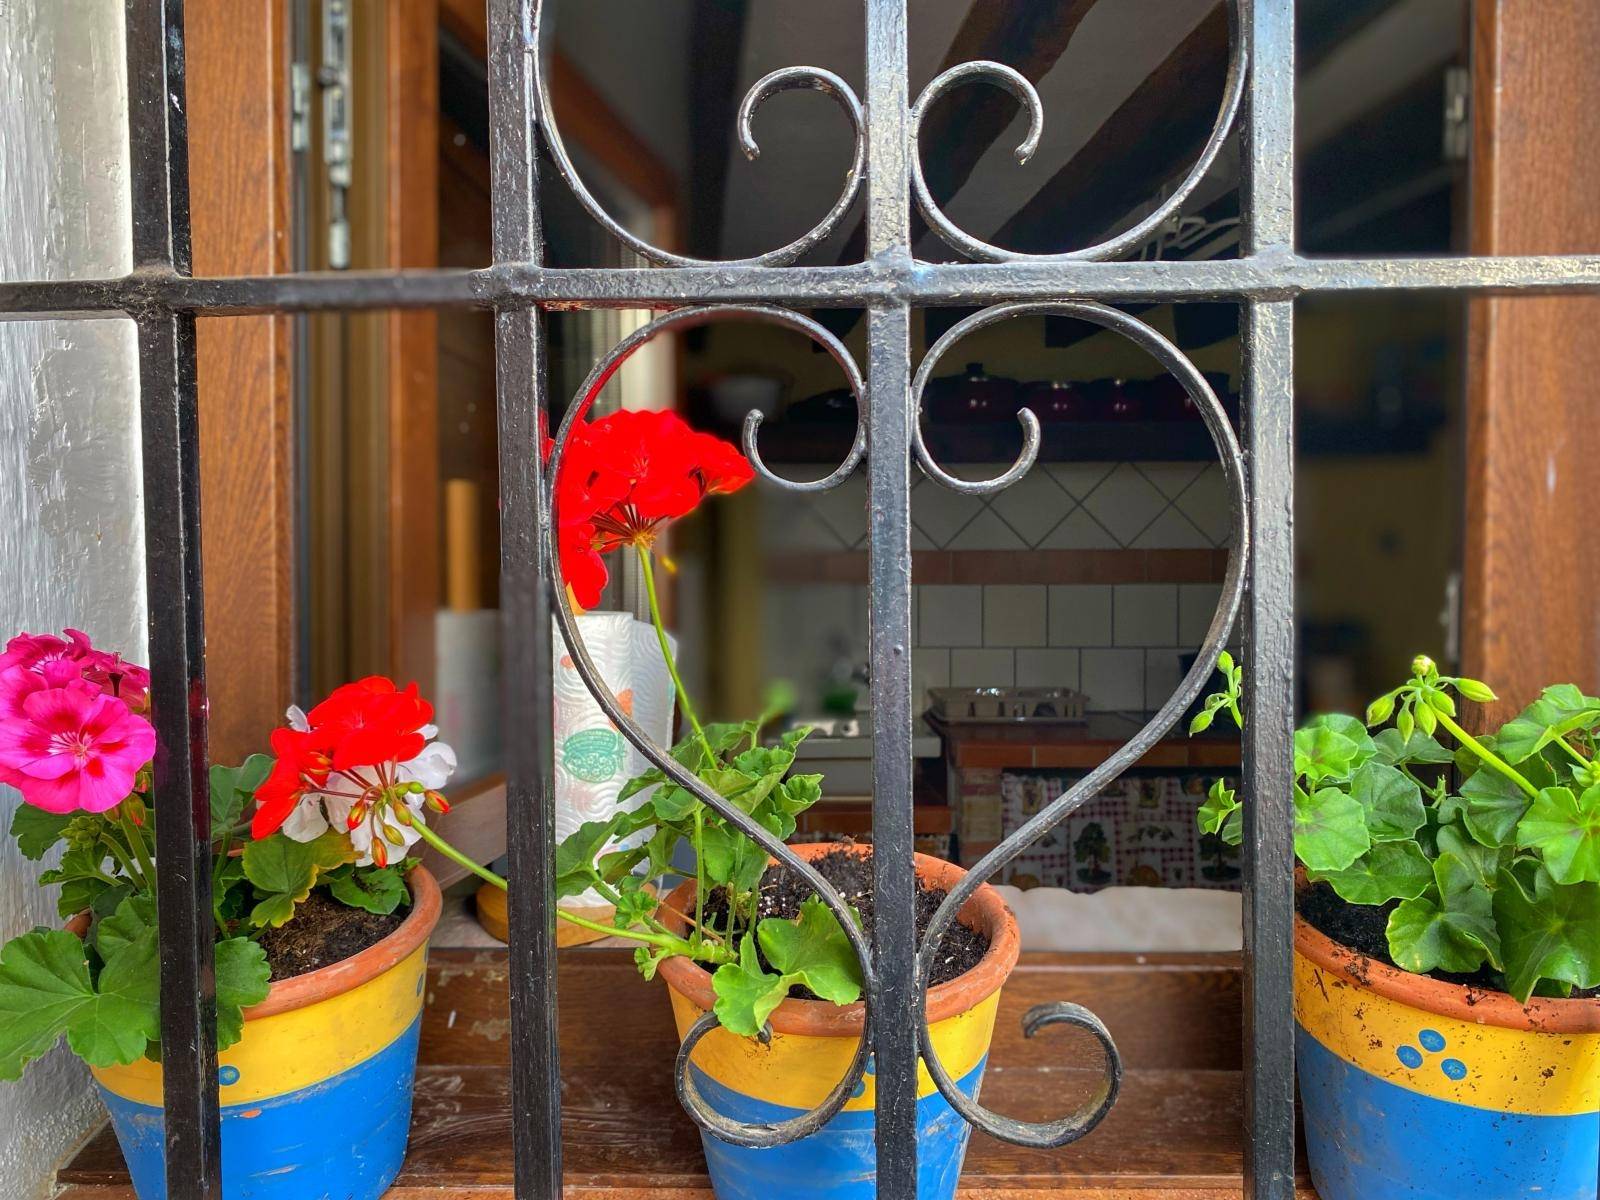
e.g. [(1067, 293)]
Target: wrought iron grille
[(162, 297)]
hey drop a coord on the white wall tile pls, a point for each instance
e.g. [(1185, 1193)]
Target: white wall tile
[(1205, 502), (982, 668), (951, 615), (1080, 478), (1078, 531), (929, 669), (1196, 603), (1080, 614), (1114, 680), (1037, 667), (1146, 614), (1162, 671), (1014, 614), (844, 509), (1171, 531), (1171, 478)]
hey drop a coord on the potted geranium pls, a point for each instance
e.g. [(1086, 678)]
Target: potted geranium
[(321, 937), (1447, 943), (743, 938)]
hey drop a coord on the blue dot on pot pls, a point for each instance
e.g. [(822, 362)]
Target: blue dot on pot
[(1432, 1040), (228, 1075), (1410, 1056), (1454, 1068)]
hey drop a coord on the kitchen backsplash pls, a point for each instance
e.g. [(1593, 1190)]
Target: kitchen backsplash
[(1118, 643)]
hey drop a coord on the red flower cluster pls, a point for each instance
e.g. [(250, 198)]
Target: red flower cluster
[(363, 724), (625, 476)]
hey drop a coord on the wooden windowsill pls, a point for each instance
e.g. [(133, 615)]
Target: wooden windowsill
[(1177, 1130)]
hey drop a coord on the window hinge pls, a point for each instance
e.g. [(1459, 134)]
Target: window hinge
[(1457, 114), (334, 79)]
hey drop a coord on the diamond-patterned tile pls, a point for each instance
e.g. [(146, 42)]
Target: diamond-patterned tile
[(1171, 478), (987, 531), (1205, 502), (1079, 531), (1078, 479), (1171, 531), (1125, 503), (941, 513), (1033, 506), (844, 509)]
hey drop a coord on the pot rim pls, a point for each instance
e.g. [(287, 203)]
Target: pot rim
[(986, 909), (1464, 1003), (347, 974)]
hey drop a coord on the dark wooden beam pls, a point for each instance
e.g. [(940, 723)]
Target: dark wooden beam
[(715, 40), (1153, 137)]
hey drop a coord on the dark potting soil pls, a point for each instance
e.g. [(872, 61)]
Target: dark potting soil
[(783, 891), (1363, 928), (322, 933)]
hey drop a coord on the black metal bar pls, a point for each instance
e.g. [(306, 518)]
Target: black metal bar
[(170, 443), (511, 284), (525, 572), (894, 1020), (1268, 349)]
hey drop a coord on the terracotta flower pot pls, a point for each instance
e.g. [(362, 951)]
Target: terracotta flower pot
[(813, 1043), (1418, 1089), (316, 1096)]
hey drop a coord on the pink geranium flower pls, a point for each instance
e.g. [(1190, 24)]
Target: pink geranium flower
[(70, 747), (43, 654)]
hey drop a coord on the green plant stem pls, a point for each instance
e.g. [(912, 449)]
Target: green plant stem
[(665, 941), (648, 570), (1487, 755), (124, 862), (141, 852), (1572, 750)]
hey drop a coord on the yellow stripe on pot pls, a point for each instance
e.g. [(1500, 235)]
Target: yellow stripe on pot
[(295, 1049), (1484, 1066), (799, 1071)]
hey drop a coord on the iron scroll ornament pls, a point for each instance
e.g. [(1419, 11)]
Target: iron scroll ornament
[(755, 1135), (1022, 88), (1049, 1134), (783, 80)]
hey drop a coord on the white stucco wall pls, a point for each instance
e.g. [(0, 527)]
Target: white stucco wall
[(71, 542)]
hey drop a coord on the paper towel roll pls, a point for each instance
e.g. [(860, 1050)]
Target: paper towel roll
[(594, 760)]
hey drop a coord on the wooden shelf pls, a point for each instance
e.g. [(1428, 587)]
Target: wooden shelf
[(1176, 1131), (1076, 747)]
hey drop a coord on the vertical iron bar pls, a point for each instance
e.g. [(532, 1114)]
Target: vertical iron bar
[(1269, 626), (894, 1008), (525, 611), (170, 444)]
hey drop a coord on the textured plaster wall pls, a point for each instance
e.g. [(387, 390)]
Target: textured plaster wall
[(71, 542)]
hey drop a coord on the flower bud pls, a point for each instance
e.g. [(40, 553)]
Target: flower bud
[(392, 835), (380, 853), (1423, 665), (358, 814), (437, 802)]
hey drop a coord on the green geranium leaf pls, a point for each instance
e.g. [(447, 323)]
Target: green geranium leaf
[(1321, 753), (1388, 871), (1490, 806), (732, 859), (746, 994), (814, 950), (36, 830), (1564, 827), (1392, 803), (634, 903), (673, 803), (1419, 748), (131, 920), (45, 992), (1450, 929), (242, 980), (81, 878), (1483, 861), (1348, 727), (1330, 828), (1221, 812), (648, 959), (799, 792), (232, 787), (107, 901), (1559, 710), (576, 856), (283, 872), (1552, 935), (378, 890)]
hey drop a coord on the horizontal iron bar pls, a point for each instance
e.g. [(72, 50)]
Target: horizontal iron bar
[(1266, 277)]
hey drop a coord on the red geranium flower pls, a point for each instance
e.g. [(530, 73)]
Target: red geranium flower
[(303, 764), (623, 478)]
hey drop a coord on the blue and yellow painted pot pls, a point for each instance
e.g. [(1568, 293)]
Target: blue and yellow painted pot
[(1416, 1089), (316, 1096), (813, 1044)]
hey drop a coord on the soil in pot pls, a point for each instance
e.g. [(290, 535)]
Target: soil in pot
[(324, 932), (850, 872), (1363, 928)]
